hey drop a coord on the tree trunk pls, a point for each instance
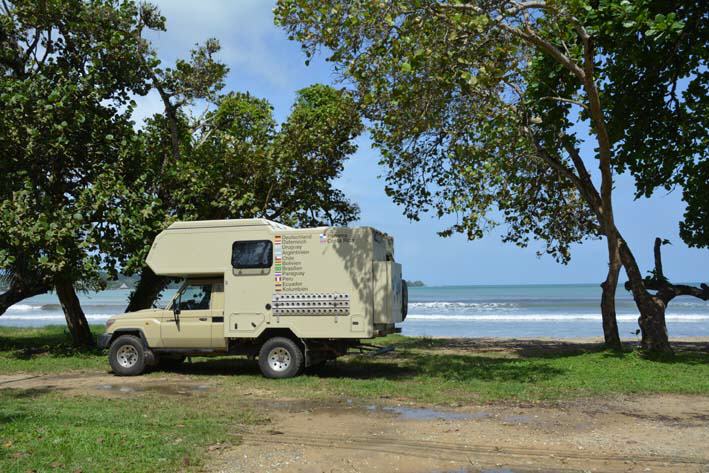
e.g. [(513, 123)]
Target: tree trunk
[(18, 292), (147, 291), (652, 308), (75, 318), (610, 322)]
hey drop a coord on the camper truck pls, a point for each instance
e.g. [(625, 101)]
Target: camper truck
[(291, 298)]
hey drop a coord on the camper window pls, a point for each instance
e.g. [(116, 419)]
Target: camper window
[(252, 254)]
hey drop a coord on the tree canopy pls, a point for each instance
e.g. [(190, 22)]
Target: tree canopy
[(236, 162), (84, 189), (480, 109), (67, 72)]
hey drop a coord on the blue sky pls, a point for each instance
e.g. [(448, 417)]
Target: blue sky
[(264, 63)]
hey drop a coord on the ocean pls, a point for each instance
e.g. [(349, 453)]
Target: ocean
[(559, 311)]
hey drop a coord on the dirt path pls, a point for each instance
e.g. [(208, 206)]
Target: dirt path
[(658, 433), (661, 433)]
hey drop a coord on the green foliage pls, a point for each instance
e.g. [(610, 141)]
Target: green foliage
[(652, 73), (67, 71), (84, 191), (235, 162), (441, 92), (469, 106)]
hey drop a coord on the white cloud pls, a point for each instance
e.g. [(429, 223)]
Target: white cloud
[(251, 44)]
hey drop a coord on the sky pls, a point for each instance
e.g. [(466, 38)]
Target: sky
[(265, 63)]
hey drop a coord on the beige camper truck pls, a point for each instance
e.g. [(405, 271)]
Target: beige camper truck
[(292, 298)]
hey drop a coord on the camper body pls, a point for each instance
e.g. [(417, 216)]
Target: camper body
[(290, 297)]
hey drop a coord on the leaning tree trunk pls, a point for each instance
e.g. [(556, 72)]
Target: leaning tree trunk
[(666, 291), (147, 291), (75, 318), (610, 322), (652, 308), (18, 292)]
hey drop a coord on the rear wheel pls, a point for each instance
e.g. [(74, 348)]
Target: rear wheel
[(127, 356), (280, 357)]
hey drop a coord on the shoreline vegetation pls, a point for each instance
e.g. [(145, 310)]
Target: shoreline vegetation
[(416, 283)]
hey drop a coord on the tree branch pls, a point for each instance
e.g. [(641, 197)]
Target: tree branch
[(665, 289), (562, 99), (658, 259)]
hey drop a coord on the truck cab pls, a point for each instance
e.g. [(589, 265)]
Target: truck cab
[(290, 298)]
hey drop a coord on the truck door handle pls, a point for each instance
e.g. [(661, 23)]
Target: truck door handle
[(203, 319)]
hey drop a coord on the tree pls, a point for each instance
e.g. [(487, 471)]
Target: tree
[(659, 134), (67, 70), (236, 163), (468, 125)]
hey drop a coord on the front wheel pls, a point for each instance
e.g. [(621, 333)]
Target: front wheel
[(127, 356), (280, 357)]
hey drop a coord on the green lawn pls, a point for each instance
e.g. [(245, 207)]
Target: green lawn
[(427, 371), (42, 431), (45, 350)]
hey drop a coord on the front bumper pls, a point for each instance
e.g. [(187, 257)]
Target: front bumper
[(104, 340)]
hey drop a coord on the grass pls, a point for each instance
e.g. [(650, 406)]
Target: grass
[(423, 370), (433, 373), (41, 431), (45, 350)]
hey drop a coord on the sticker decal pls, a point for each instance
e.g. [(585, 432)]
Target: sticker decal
[(278, 262), (323, 237)]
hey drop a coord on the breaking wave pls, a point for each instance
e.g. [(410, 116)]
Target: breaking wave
[(687, 318), (463, 305), (48, 317)]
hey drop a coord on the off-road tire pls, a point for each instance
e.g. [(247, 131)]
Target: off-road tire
[(127, 356), (280, 357)]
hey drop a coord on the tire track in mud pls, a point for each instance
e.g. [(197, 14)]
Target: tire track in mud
[(567, 460)]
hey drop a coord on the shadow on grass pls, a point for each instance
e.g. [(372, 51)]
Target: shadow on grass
[(685, 351), (26, 343), (524, 348), (403, 366)]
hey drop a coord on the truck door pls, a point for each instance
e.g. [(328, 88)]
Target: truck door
[(249, 286), (191, 327), (218, 339)]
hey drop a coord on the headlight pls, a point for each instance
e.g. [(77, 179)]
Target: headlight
[(109, 322)]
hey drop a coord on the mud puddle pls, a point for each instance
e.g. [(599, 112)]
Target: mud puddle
[(349, 407), (168, 389), (425, 413), (486, 470)]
